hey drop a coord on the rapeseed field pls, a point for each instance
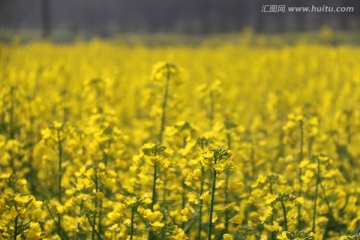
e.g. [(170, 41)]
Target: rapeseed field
[(102, 140)]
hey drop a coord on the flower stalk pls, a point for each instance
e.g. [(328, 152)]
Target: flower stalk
[(164, 103), (301, 155), (316, 195), (60, 158), (211, 210)]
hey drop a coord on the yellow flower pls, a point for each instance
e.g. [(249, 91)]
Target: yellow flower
[(147, 200), (101, 166), (157, 224), (58, 125), (304, 163), (229, 206), (206, 198), (130, 201), (39, 215), (127, 222), (153, 216), (99, 195), (163, 69), (227, 236), (114, 228), (323, 159), (237, 219), (270, 198), (268, 213), (283, 236), (274, 227), (13, 214), (34, 232), (114, 216), (300, 200), (5, 175), (22, 199), (46, 133), (197, 173), (308, 176), (219, 167)]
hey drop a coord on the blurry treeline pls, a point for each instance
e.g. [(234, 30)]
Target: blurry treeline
[(107, 17)]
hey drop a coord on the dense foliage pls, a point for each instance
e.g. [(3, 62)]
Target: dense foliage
[(104, 141)]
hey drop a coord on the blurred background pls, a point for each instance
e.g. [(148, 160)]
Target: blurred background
[(66, 19)]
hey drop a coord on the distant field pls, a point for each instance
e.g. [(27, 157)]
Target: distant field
[(323, 35), (214, 137)]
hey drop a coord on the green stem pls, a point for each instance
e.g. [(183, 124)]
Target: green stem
[(201, 202), (272, 234), (11, 123), (284, 213), (59, 179), (100, 229), (154, 187), (153, 198), (164, 104), (105, 153), (94, 230), (95, 204), (53, 218), (165, 192), (227, 214), (93, 227), (183, 200), (12, 162), (252, 160), (31, 145), (183, 185), (132, 223), (78, 225), (301, 155), (210, 225), (59, 165), (316, 196), (326, 198), (16, 227)]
